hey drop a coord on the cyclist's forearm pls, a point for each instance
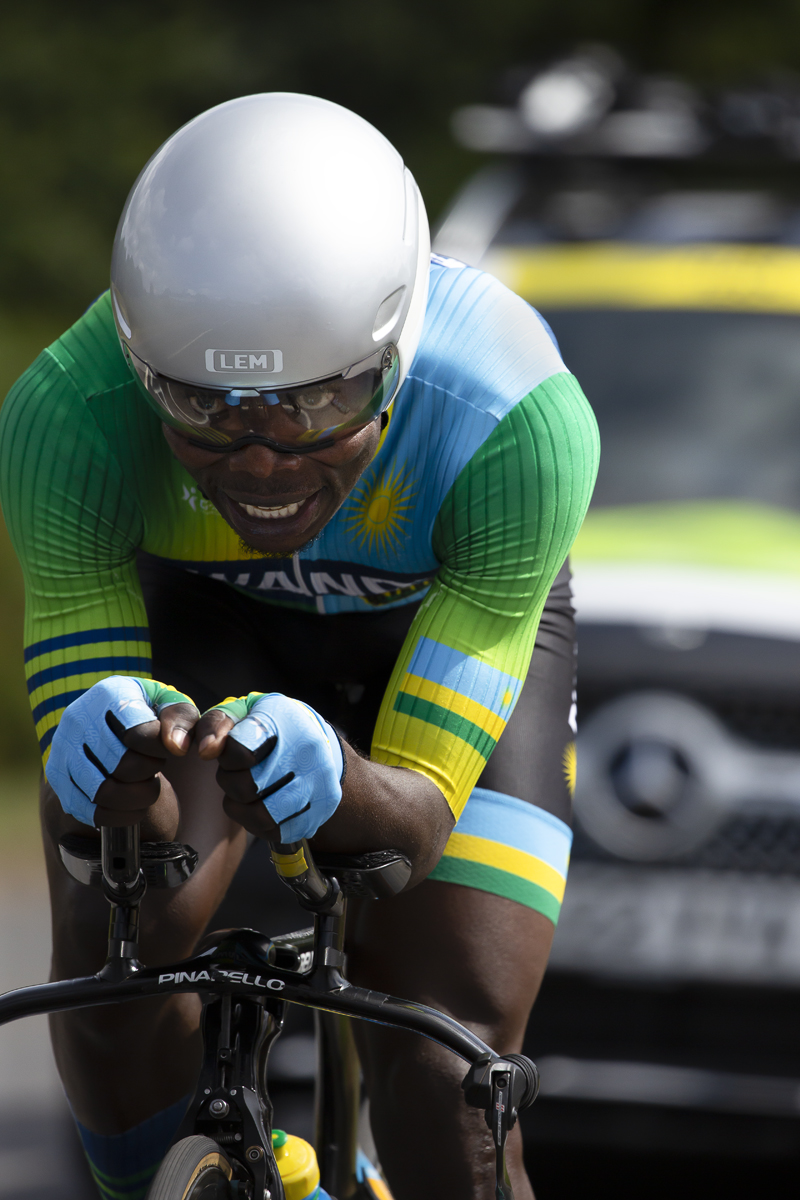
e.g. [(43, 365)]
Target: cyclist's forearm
[(388, 808)]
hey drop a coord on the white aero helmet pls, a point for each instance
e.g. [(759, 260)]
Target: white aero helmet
[(270, 274)]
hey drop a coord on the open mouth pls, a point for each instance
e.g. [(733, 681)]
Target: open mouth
[(266, 512)]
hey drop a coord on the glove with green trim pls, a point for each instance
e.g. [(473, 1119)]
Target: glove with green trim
[(299, 777), (87, 749)]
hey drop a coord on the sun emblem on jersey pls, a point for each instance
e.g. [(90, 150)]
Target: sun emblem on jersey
[(570, 761), (379, 510)]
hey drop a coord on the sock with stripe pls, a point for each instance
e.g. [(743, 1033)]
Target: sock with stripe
[(124, 1164)]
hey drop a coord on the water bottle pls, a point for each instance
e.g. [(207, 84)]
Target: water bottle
[(299, 1170)]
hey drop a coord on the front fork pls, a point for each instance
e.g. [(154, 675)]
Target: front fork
[(231, 1103)]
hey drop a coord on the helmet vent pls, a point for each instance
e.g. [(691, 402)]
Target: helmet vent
[(387, 315)]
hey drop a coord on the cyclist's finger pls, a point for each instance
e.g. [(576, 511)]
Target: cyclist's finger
[(211, 731), (239, 785), (236, 757), (177, 726), (144, 738), (127, 797), (253, 817), (159, 822), (133, 767)]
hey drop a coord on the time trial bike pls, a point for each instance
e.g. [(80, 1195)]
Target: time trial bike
[(226, 1148)]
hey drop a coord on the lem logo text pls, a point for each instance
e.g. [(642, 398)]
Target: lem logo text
[(269, 361)]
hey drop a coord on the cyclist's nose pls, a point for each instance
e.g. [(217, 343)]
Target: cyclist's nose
[(261, 461)]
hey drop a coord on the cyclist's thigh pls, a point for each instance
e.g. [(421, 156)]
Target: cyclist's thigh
[(478, 956)]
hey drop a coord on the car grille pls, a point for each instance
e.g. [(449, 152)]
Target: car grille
[(753, 843), (766, 722), (766, 842)]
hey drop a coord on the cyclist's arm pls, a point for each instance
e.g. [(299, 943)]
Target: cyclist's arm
[(505, 528), (75, 528)]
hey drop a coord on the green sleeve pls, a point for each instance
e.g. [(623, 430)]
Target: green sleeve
[(75, 528), (502, 534)]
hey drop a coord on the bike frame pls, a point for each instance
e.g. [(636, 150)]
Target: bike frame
[(245, 980)]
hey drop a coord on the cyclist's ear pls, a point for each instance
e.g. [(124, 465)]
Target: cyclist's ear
[(177, 726), (212, 731)]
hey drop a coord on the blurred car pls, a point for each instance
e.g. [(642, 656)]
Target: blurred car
[(658, 232)]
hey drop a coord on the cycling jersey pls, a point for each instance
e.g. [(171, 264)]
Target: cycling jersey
[(513, 837), (473, 499)]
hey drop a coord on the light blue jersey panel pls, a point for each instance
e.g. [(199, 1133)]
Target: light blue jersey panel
[(482, 343), (482, 350)]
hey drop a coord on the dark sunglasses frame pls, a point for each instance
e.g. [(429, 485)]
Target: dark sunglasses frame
[(194, 438)]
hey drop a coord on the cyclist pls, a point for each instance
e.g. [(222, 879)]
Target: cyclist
[(324, 485)]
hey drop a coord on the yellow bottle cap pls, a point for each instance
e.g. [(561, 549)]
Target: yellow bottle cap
[(297, 1164)]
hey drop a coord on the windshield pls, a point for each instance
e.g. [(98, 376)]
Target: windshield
[(691, 405)]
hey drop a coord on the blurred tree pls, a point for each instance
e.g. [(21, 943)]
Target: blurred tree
[(89, 89)]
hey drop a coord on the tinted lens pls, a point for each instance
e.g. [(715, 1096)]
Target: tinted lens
[(296, 418)]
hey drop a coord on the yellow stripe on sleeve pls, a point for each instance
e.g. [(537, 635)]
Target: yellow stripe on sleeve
[(506, 858), (455, 702), (444, 758)]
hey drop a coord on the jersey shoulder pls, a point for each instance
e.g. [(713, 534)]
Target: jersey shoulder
[(84, 363), (484, 358), (89, 352), (80, 399), (82, 380), (481, 343)]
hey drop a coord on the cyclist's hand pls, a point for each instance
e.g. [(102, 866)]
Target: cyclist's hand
[(110, 745), (280, 764)]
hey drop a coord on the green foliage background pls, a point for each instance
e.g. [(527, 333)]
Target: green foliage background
[(89, 90)]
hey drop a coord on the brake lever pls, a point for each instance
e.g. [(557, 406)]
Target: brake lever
[(503, 1118), (502, 1087)]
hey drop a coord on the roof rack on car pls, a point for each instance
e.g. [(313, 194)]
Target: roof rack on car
[(591, 103)]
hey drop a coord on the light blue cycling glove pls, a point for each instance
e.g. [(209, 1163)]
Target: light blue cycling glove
[(307, 756), (85, 751)]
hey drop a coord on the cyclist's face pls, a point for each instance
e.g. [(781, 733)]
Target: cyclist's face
[(277, 502)]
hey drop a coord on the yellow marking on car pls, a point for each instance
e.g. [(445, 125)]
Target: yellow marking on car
[(753, 278)]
